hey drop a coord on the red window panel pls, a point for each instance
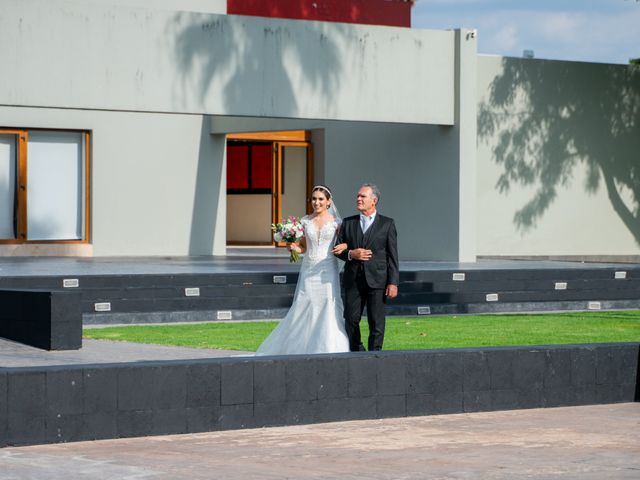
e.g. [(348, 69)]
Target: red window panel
[(237, 166), (373, 12), (261, 166)]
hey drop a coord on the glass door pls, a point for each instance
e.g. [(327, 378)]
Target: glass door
[(44, 179), (292, 180), (8, 190)]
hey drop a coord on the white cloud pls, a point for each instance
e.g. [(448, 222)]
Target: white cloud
[(559, 26), (611, 37), (505, 37)]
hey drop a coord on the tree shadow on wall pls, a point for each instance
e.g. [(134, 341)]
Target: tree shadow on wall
[(242, 57), (544, 118)]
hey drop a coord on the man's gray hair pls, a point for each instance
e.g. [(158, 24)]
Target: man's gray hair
[(375, 191)]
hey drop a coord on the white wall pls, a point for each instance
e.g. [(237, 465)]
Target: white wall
[(427, 174), (208, 6), (249, 218), (465, 138), (157, 180), (86, 54), (373, 94), (558, 156)]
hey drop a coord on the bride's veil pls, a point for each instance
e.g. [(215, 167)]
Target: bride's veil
[(333, 210)]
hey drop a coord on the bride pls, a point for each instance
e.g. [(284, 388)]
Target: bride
[(314, 323)]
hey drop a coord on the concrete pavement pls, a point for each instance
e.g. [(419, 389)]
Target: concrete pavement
[(593, 442), (14, 354)]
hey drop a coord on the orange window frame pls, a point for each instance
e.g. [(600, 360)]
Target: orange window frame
[(22, 137)]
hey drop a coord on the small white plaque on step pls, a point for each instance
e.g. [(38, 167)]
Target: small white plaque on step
[(458, 277), (594, 306), (620, 275), (224, 315), (492, 297), (192, 292), (279, 279), (70, 283), (424, 310), (102, 307), (561, 286)]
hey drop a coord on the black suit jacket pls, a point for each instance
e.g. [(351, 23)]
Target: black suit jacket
[(382, 239)]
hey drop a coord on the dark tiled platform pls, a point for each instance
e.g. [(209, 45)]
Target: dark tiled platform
[(242, 286)]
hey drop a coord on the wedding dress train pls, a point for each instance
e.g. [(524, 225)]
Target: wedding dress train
[(314, 323)]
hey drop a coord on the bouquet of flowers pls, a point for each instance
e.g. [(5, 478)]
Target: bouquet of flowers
[(290, 231)]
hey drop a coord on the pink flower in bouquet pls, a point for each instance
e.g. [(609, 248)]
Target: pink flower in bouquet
[(290, 230)]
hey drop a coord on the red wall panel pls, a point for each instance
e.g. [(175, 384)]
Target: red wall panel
[(395, 13), (261, 157), (237, 166)]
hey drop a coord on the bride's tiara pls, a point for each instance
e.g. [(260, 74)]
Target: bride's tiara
[(321, 187)]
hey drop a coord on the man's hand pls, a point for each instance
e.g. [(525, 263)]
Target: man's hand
[(361, 254), (392, 291), (338, 249)]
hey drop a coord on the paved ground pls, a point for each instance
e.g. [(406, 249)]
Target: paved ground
[(13, 354), (586, 443), (239, 260)]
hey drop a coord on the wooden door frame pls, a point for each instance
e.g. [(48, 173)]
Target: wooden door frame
[(280, 140), (276, 204), (22, 141)]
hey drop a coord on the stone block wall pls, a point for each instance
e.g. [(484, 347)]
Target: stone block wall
[(60, 404)]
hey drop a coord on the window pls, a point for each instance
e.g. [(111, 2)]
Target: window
[(43, 186), (249, 167)]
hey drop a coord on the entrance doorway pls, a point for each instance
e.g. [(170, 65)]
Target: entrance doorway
[(269, 177)]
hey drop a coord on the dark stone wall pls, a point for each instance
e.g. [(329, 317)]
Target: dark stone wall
[(60, 404), (51, 320)]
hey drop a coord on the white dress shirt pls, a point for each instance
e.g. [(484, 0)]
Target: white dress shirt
[(366, 221)]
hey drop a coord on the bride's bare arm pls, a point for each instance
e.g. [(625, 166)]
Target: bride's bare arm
[(338, 249)]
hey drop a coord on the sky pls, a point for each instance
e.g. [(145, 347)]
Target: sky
[(603, 31)]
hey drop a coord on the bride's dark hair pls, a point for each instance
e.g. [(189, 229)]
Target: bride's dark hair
[(323, 189)]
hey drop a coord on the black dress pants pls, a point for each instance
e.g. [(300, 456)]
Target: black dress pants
[(356, 297)]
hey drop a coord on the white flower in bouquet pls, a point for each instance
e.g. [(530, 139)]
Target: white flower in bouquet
[(290, 231)]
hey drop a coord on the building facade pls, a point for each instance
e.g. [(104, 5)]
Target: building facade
[(177, 129)]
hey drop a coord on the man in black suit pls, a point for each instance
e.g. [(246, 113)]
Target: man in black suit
[(371, 272)]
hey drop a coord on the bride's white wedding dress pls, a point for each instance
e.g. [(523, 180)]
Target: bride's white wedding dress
[(314, 323)]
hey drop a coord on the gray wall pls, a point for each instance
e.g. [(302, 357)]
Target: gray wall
[(558, 157), (415, 169), (157, 180), (125, 58)]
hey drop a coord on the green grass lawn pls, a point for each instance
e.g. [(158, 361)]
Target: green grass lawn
[(407, 333)]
